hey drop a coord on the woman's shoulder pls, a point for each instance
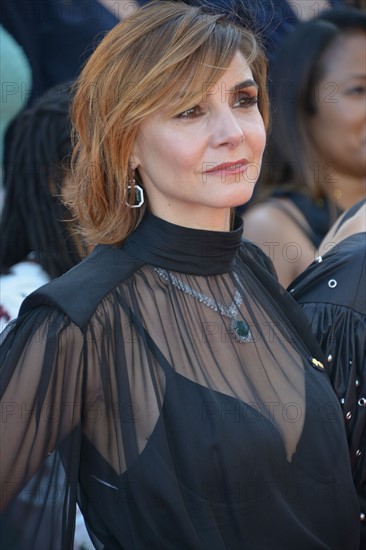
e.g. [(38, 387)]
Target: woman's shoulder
[(293, 209), (281, 235), (80, 290), (275, 214), (252, 252)]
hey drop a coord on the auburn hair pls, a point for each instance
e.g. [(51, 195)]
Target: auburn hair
[(163, 55)]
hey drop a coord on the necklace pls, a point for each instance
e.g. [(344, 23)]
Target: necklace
[(239, 328)]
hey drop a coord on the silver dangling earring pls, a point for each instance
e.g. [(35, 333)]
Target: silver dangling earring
[(139, 194)]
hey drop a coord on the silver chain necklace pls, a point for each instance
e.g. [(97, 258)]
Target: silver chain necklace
[(238, 327)]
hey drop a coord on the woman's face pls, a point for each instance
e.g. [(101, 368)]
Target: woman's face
[(338, 128), (197, 165)]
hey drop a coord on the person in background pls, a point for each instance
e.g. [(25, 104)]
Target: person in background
[(332, 294), (36, 228), (168, 375), (53, 39), (315, 163), (58, 37), (272, 21), (37, 242), (14, 72)]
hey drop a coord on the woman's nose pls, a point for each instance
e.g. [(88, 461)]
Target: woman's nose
[(226, 130)]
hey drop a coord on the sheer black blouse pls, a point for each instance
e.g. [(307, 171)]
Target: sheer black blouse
[(173, 389)]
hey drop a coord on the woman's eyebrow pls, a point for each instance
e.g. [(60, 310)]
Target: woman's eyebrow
[(245, 84)]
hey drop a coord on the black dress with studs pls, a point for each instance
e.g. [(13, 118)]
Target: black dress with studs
[(174, 389), (332, 293)]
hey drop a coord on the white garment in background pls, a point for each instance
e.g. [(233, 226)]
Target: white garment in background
[(23, 278)]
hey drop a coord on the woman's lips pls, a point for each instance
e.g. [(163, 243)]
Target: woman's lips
[(236, 167)]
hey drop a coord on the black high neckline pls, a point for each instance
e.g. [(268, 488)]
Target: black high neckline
[(196, 251)]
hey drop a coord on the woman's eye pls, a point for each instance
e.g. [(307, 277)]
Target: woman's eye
[(357, 90), (245, 100), (191, 113)]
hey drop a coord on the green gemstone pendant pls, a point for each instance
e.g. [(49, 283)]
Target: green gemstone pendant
[(241, 331), (239, 328)]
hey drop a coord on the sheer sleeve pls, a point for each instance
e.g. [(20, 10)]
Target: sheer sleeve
[(41, 390)]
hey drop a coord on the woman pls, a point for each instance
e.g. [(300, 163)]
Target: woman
[(331, 292), (173, 382), (315, 165)]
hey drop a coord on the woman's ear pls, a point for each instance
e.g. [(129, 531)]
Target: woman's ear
[(135, 156), (133, 163)]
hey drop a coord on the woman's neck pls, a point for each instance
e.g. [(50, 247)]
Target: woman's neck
[(196, 217), (345, 190)]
